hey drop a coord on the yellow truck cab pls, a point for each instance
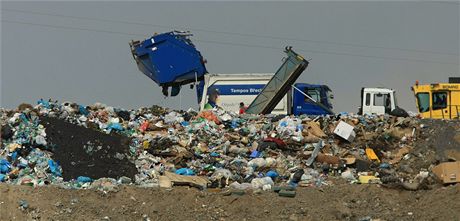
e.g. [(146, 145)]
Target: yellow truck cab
[(438, 101)]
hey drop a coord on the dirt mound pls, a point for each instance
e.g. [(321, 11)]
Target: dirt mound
[(86, 152), (341, 202)]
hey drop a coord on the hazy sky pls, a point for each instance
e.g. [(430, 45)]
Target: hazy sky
[(350, 44)]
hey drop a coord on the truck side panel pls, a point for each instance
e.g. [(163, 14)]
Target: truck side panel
[(455, 104), (236, 88)]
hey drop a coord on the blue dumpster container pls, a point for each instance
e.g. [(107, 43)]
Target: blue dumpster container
[(169, 59)]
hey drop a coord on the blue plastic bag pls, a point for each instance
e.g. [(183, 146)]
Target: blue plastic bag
[(185, 171), (293, 184), (255, 154), (299, 127), (22, 165), (83, 110), (44, 103), (384, 166), (115, 126), (14, 155), (5, 166), (272, 174), (24, 118), (84, 179), (234, 123), (54, 168)]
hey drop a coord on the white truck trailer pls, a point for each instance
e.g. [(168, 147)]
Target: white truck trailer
[(236, 88)]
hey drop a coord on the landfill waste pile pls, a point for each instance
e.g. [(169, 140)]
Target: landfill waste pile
[(102, 147)]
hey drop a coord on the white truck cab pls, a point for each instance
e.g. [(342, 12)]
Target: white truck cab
[(377, 101)]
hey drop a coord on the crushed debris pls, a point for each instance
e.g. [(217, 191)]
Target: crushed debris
[(74, 146)]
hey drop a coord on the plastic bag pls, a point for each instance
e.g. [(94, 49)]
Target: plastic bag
[(209, 115), (5, 166), (264, 183), (185, 171), (54, 168), (84, 179)]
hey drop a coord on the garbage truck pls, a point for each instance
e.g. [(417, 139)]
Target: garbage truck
[(172, 61), (236, 88)]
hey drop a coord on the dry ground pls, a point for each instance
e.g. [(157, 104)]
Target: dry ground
[(340, 202)]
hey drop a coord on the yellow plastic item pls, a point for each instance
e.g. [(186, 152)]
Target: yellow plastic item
[(14, 146), (146, 144), (367, 179), (371, 154)]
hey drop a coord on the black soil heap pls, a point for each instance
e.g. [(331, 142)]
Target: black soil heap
[(86, 152)]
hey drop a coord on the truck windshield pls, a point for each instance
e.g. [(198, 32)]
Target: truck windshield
[(313, 93), (423, 101)]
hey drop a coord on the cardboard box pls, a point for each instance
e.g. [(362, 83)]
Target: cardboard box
[(345, 131), (448, 172)]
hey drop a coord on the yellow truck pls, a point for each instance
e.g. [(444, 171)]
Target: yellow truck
[(438, 101)]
